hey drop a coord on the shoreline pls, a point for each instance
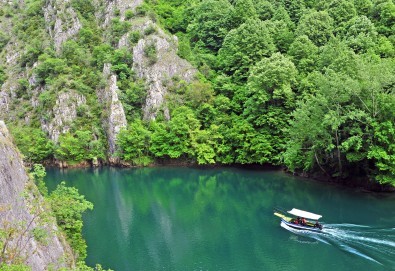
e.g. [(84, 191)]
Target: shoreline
[(361, 184)]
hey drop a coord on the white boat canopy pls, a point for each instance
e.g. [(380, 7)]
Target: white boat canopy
[(308, 215)]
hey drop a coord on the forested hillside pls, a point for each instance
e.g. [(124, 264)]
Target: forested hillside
[(308, 85)]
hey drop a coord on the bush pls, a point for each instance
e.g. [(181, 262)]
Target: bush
[(150, 53), (129, 14), (151, 29), (68, 206), (134, 37), (33, 143)]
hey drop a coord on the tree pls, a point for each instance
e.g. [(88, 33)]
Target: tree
[(33, 143), (68, 206), (349, 119), (383, 13), (134, 143), (243, 10), (198, 93), (281, 33), (360, 34), (363, 7), (341, 11), (270, 82), (326, 114), (245, 46), (211, 21), (337, 56), (264, 9), (38, 174), (79, 146), (382, 152), (270, 100), (174, 139), (295, 8), (304, 54), (317, 25)]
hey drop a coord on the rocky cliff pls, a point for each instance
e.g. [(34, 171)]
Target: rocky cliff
[(30, 236), (159, 72), (116, 119), (54, 78)]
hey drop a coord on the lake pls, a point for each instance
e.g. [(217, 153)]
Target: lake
[(177, 218)]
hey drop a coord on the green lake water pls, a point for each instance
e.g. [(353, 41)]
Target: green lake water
[(176, 218)]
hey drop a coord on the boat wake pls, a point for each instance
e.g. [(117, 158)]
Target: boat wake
[(374, 244)]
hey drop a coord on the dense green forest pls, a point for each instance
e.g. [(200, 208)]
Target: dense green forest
[(308, 85)]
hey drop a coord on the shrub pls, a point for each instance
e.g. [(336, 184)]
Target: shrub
[(150, 53), (129, 14)]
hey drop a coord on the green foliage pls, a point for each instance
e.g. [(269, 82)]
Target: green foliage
[(38, 173), (129, 14), (84, 7), (245, 46), (268, 70), (210, 23), (270, 82), (243, 10), (174, 139), (40, 235), (3, 75), (150, 30), (50, 68), (14, 267), (68, 206), (133, 144), (382, 152), (33, 143), (361, 34), (199, 93), (118, 29), (102, 54), (304, 54), (79, 146), (341, 11), (150, 53), (89, 37), (4, 38), (134, 37), (349, 132), (132, 96), (317, 25)]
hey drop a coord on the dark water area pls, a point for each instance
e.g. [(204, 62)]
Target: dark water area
[(177, 218)]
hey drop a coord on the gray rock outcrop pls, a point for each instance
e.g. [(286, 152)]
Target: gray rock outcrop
[(158, 75), (64, 113), (4, 103), (61, 21), (19, 208), (116, 118), (117, 5)]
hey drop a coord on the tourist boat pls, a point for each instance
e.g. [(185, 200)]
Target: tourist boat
[(301, 220)]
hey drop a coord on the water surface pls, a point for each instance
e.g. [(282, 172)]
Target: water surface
[(173, 218)]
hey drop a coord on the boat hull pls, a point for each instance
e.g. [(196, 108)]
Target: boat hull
[(300, 227)]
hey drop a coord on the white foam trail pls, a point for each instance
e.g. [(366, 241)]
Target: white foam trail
[(376, 245)]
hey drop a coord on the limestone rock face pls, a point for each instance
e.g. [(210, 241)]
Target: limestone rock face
[(4, 103), (116, 118), (61, 21), (16, 203), (120, 5), (159, 74), (64, 113)]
